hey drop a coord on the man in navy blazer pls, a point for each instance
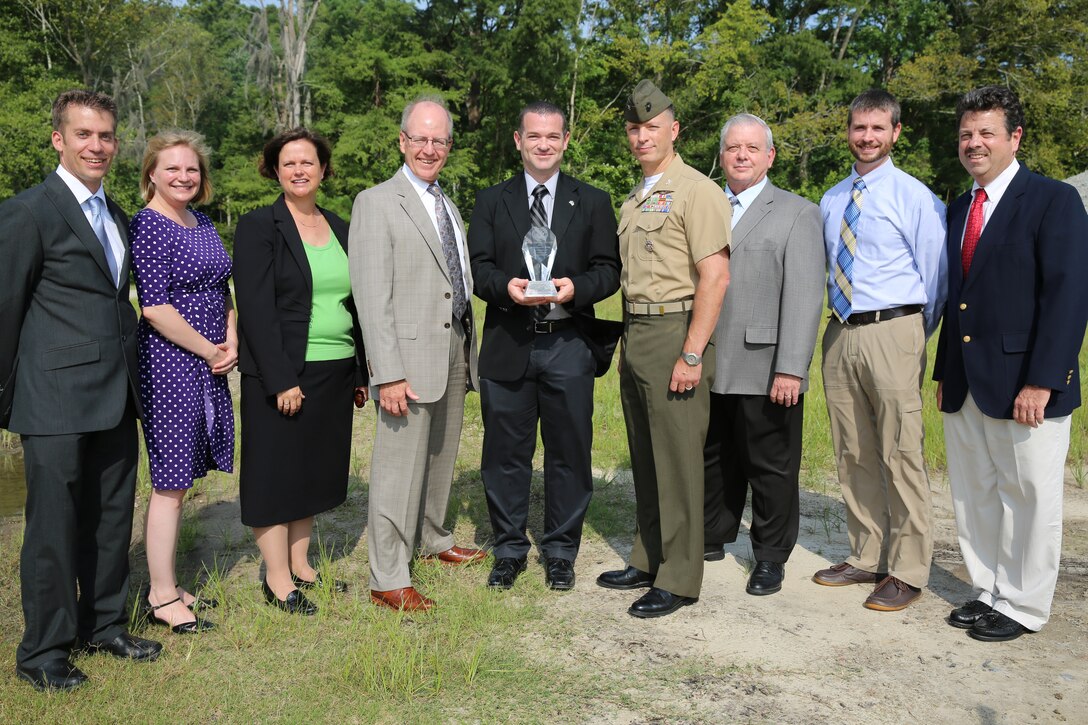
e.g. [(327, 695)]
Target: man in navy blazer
[(1007, 367), (68, 388), (537, 356)]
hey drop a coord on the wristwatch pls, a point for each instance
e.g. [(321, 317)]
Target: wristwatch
[(691, 358)]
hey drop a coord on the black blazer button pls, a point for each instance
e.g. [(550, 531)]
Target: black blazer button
[(448, 295), (447, 325)]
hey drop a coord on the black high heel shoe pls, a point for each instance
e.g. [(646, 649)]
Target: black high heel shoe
[(295, 603), (340, 587), (147, 610)]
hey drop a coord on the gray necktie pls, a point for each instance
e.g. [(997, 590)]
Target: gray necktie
[(98, 223), (449, 250), (537, 214)]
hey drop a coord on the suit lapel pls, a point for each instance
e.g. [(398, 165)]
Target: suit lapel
[(288, 231), (566, 201), (998, 223), (413, 207), (957, 218), (73, 215), (516, 198), (761, 207)]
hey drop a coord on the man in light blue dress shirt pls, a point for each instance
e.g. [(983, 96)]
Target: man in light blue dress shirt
[(884, 238)]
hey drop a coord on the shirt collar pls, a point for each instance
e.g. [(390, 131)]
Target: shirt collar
[(550, 184), (874, 176), (81, 192), (746, 197), (996, 188), (419, 184)]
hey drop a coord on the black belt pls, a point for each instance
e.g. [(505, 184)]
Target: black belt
[(545, 327), (868, 318)]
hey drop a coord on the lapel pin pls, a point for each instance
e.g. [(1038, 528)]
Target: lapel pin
[(572, 202)]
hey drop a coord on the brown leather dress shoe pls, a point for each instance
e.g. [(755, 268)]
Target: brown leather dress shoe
[(457, 555), (844, 574), (891, 595), (406, 600)]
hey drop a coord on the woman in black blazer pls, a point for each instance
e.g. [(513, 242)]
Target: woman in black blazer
[(299, 355)]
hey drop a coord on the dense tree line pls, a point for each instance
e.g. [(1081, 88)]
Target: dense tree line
[(239, 71)]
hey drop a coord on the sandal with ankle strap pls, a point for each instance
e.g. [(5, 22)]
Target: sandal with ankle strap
[(195, 627)]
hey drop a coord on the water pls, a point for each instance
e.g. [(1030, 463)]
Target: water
[(12, 484)]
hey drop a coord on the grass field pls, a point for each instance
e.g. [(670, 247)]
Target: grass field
[(475, 659)]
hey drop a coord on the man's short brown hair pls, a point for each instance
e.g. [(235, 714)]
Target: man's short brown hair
[(79, 97)]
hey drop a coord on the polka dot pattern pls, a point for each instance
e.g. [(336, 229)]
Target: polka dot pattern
[(188, 420)]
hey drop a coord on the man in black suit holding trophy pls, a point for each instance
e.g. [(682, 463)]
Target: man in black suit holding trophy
[(540, 354)]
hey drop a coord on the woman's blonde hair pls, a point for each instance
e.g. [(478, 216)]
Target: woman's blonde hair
[(169, 139)]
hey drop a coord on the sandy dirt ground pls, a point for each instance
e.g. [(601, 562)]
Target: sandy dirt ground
[(813, 654)]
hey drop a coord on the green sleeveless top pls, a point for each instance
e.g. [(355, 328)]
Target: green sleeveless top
[(330, 322)]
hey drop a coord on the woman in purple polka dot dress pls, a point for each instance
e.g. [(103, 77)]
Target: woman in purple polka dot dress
[(188, 344)]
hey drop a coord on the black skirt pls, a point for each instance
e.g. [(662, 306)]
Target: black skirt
[(296, 466)]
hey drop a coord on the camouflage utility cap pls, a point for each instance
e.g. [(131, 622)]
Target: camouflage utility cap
[(645, 102)]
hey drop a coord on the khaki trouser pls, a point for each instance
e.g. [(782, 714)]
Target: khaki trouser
[(411, 473), (665, 433), (872, 380)]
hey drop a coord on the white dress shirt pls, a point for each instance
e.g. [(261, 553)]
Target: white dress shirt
[(744, 199), (83, 195), (427, 200), (994, 191)]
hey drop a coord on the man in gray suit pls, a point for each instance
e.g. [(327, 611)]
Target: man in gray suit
[(412, 285), (766, 334), (68, 387)]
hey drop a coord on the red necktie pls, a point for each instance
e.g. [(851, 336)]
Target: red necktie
[(973, 231)]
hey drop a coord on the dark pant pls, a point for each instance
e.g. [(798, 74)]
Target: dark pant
[(557, 390), (752, 440), (80, 491)]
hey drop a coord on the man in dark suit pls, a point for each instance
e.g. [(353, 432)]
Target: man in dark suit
[(536, 360), (68, 387), (1007, 367), (766, 334)]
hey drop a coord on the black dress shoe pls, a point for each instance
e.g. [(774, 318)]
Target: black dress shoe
[(713, 552), (340, 587), (996, 627), (658, 603), (126, 646), (965, 617), (766, 578), (559, 574), (58, 674), (505, 572), (295, 603), (629, 578)]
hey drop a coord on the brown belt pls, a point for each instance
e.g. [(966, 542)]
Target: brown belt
[(868, 318)]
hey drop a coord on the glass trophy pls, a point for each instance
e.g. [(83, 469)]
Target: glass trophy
[(539, 248)]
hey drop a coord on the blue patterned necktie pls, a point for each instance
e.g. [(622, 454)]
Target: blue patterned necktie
[(98, 224), (842, 295), (449, 251)]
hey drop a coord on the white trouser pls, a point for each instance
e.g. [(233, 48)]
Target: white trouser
[(1006, 481)]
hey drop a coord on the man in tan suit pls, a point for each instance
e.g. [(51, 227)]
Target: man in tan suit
[(412, 283)]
